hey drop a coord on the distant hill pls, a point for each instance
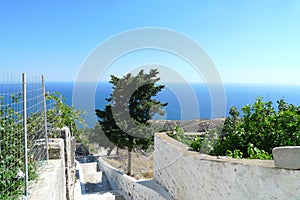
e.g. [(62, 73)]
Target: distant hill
[(196, 125)]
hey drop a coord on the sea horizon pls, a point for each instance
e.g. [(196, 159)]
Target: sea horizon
[(183, 98)]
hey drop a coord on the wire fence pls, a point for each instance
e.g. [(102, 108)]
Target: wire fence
[(23, 132)]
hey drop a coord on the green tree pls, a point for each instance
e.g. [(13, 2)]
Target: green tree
[(125, 120)]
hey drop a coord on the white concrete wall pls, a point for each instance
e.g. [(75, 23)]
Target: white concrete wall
[(130, 188), (190, 175), (57, 176), (69, 156), (51, 184)]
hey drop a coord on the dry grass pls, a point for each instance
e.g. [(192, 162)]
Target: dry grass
[(142, 163)]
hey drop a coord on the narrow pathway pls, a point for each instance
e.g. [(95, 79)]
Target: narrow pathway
[(92, 183)]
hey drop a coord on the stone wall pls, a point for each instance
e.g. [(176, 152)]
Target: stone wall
[(57, 176), (69, 156), (51, 183), (130, 188), (190, 175)]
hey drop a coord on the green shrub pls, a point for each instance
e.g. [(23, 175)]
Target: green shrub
[(178, 134), (197, 143), (12, 151), (252, 135), (255, 153), (235, 154), (12, 147), (261, 126), (61, 114)]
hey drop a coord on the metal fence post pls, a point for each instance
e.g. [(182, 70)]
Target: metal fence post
[(45, 117), (25, 132)]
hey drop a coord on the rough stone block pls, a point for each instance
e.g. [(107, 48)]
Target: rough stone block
[(56, 148), (287, 157), (54, 153)]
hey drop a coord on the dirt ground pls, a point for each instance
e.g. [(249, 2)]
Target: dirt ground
[(142, 163)]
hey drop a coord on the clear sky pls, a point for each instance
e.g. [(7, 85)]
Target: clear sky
[(248, 40)]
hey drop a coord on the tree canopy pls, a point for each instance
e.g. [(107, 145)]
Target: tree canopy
[(125, 119)]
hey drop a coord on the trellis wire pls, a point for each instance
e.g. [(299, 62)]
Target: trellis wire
[(23, 131)]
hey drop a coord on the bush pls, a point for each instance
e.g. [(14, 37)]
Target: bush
[(12, 147), (252, 135), (197, 143), (12, 152), (178, 134), (259, 129), (61, 114)]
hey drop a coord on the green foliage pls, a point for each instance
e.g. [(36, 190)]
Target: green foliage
[(12, 147), (255, 153), (125, 120), (197, 143), (201, 143), (235, 154), (64, 115), (252, 135), (12, 151), (178, 134), (261, 126)]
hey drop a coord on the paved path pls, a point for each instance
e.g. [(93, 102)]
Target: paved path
[(93, 184)]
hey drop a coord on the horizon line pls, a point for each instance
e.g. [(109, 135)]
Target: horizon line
[(188, 82)]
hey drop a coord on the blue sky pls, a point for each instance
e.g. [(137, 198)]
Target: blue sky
[(249, 41)]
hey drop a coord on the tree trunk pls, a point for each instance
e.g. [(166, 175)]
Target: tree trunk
[(129, 161), (117, 151), (110, 149)]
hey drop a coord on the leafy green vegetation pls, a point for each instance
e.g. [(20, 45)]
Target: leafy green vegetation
[(125, 120), (12, 146), (61, 114), (12, 151), (178, 134), (260, 129), (255, 133)]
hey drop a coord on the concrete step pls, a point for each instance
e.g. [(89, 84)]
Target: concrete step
[(96, 182), (88, 168), (103, 195), (108, 195), (93, 184)]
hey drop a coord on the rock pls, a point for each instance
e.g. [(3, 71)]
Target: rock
[(287, 157)]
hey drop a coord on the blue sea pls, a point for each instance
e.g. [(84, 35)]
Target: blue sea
[(185, 101)]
